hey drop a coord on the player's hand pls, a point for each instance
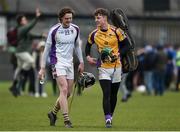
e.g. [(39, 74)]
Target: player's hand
[(38, 13), (81, 68), (41, 74), (91, 60)]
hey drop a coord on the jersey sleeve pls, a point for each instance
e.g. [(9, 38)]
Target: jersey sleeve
[(91, 37), (47, 49), (78, 46)]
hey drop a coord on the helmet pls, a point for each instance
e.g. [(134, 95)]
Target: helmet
[(107, 55), (85, 80)]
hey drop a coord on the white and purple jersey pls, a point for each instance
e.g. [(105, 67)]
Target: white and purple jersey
[(60, 45)]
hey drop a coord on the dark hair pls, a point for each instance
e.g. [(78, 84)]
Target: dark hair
[(19, 18), (101, 11), (63, 11)]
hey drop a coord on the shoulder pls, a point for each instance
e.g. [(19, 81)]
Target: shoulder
[(91, 38), (116, 29), (53, 28), (75, 26), (92, 33)]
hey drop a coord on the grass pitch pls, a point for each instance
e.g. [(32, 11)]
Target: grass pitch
[(140, 113)]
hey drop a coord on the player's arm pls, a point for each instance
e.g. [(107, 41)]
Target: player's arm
[(78, 52), (90, 59), (45, 56)]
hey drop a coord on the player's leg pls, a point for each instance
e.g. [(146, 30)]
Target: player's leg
[(52, 115), (105, 83), (57, 107), (61, 102), (106, 89), (114, 92), (70, 79), (116, 78), (63, 85), (70, 82), (70, 86)]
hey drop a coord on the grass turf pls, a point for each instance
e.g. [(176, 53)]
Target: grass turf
[(140, 113)]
